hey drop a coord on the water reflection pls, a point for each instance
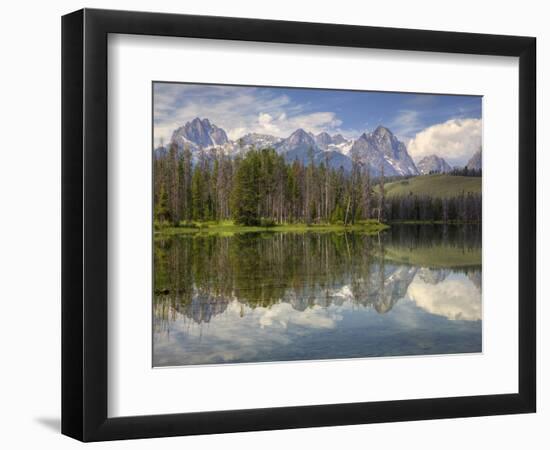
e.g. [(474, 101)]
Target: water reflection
[(295, 296), (452, 296)]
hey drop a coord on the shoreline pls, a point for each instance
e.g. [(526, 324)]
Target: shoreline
[(228, 227), (370, 227)]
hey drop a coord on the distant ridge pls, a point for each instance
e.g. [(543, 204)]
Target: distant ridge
[(433, 164), (441, 186), (475, 161)]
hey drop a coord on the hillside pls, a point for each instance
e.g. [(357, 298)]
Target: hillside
[(437, 256), (434, 185)]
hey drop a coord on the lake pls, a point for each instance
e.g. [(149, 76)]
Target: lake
[(271, 296)]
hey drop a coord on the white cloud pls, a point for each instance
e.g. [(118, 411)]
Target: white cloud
[(265, 119), (266, 124), (238, 110), (236, 133), (455, 140), (406, 123), (283, 126)]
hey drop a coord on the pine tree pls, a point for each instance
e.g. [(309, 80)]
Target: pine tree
[(161, 206), (381, 197), (245, 196), (196, 195), (367, 193), (186, 179), (173, 191)]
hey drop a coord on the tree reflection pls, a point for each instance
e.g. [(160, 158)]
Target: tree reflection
[(199, 275)]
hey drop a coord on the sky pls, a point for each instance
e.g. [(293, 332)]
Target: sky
[(446, 125)]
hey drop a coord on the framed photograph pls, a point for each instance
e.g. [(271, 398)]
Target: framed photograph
[(273, 224)]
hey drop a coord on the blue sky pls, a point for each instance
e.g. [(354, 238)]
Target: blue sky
[(447, 125)]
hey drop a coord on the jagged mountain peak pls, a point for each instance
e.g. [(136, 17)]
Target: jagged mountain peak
[(199, 133), (382, 151), (198, 120), (300, 132), (301, 136), (382, 131), (299, 145), (323, 140), (338, 139), (433, 164)]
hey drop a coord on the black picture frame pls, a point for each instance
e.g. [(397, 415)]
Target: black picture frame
[(84, 224)]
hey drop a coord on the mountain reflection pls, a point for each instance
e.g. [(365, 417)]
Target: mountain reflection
[(308, 281)]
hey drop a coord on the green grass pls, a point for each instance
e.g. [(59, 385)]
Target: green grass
[(434, 222), (442, 186), (229, 227)]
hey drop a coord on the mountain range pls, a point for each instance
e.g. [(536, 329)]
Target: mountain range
[(380, 150)]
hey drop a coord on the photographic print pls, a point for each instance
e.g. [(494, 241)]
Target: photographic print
[(295, 224)]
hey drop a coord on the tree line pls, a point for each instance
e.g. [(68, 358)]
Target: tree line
[(261, 188), (465, 207), (465, 172)]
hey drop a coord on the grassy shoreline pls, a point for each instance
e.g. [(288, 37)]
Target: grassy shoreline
[(434, 222), (229, 227)]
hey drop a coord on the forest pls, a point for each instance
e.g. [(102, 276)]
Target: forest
[(261, 189)]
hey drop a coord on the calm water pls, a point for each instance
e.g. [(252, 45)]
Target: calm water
[(413, 290)]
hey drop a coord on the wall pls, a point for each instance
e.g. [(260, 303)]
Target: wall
[(30, 237)]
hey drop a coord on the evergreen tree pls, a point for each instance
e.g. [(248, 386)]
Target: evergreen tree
[(245, 196), (196, 195), (161, 206), (173, 186), (186, 180), (381, 196)]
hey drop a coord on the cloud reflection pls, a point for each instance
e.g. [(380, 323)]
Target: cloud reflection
[(283, 314), (456, 297)]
